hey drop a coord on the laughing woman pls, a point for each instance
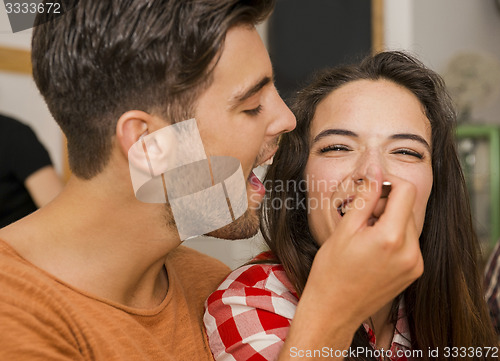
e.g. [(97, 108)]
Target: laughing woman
[(392, 114)]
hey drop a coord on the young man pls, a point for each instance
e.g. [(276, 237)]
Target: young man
[(99, 275)]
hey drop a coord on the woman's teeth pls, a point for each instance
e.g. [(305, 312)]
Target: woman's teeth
[(269, 161), (342, 209)]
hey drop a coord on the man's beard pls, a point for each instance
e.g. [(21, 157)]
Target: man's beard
[(244, 227), (248, 224)]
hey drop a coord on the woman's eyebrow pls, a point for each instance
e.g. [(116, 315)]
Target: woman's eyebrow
[(349, 133), (411, 136), (327, 132)]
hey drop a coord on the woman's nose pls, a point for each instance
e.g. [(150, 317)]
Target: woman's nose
[(366, 160)]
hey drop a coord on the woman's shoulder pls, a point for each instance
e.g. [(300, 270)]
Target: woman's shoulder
[(250, 313), (259, 275)]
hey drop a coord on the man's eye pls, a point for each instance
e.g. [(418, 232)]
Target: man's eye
[(253, 112), (409, 152), (334, 148)]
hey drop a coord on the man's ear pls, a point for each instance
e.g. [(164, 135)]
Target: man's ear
[(150, 156), (130, 127)]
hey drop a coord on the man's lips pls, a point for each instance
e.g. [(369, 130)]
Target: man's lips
[(256, 183)]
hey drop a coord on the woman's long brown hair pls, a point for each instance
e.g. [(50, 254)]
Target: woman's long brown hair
[(445, 306)]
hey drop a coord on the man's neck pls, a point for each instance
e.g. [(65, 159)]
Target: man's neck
[(94, 239)]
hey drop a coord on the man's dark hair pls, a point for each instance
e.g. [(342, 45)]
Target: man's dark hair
[(103, 58)]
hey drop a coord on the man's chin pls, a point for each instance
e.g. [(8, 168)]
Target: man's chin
[(244, 227)]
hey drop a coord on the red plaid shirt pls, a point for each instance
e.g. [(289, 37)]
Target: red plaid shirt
[(248, 316)]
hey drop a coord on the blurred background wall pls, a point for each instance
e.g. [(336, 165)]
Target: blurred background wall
[(19, 96), (437, 31)]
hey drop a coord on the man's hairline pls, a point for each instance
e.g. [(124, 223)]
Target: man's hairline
[(204, 85)]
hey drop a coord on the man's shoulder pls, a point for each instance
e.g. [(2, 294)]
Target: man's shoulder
[(28, 292), (11, 262), (19, 276), (196, 269), (196, 260)]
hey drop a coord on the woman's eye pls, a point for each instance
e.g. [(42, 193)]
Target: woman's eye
[(335, 148), (409, 152), (253, 112)]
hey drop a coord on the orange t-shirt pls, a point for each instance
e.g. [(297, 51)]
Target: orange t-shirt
[(42, 318)]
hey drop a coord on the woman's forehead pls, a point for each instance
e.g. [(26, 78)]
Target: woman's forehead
[(369, 106)]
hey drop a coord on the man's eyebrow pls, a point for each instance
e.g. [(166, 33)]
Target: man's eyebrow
[(414, 137), (243, 95), (327, 132)]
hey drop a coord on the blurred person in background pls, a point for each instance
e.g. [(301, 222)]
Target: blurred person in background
[(28, 180)]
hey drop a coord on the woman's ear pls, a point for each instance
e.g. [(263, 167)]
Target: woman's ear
[(130, 127)]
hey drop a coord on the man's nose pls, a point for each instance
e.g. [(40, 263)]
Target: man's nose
[(283, 119)]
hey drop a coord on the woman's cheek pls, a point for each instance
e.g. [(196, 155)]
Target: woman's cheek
[(319, 219), (423, 194)]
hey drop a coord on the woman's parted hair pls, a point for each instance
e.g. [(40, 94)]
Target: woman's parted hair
[(445, 306), (103, 58)]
